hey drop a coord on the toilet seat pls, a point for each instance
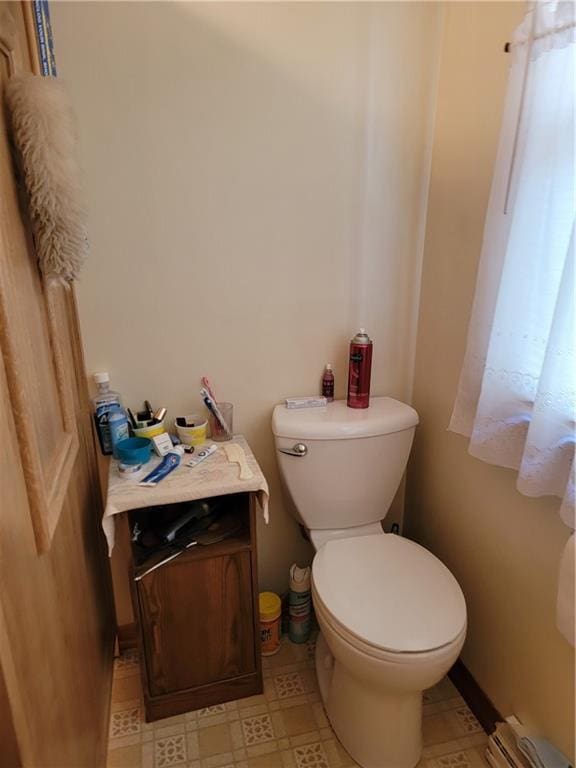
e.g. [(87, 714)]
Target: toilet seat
[(388, 596), (369, 650)]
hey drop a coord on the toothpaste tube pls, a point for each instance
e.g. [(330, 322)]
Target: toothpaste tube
[(201, 455), (306, 402), (167, 465)]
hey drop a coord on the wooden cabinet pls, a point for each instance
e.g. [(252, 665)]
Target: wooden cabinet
[(198, 624), (199, 618)]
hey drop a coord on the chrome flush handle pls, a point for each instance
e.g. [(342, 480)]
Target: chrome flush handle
[(297, 450)]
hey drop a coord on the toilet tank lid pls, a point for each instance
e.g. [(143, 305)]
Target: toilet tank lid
[(338, 422)]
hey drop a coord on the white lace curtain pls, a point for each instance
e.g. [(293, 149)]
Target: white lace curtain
[(516, 396)]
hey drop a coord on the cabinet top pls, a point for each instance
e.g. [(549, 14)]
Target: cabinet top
[(216, 476)]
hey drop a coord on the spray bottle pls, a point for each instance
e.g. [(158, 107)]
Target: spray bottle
[(300, 604), (359, 370), (328, 383)]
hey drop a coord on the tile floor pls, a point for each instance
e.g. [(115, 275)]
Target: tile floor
[(284, 728)]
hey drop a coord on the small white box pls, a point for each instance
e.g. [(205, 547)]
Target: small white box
[(162, 444)]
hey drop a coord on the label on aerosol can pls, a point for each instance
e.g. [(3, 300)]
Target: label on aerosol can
[(359, 370), (300, 604)]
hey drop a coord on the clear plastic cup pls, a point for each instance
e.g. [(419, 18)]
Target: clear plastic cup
[(219, 434)]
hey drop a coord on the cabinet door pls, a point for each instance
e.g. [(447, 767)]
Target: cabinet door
[(197, 622)]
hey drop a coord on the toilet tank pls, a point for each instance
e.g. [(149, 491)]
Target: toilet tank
[(342, 466)]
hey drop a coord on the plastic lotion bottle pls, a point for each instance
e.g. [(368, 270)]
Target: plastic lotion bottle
[(299, 604), (105, 401), (328, 383)]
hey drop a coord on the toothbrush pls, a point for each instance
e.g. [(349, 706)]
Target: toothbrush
[(206, 385), (214, 410)]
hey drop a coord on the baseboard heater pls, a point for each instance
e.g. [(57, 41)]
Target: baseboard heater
[(502, 751), (512, 745)]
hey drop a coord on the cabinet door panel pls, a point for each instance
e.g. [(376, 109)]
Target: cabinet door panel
[(197, 623)]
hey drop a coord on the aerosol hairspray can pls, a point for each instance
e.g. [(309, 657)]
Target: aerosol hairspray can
[(300, 604), (359, 370)]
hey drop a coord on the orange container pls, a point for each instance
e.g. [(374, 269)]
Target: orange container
[(270, 612)]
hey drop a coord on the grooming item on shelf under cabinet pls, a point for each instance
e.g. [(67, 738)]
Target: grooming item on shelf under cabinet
[(168, 464), (270, 612), (118, 426), (193, 511), (359, 370), (306, 402), (328, 383), (221, 529), (172, 555), (300, 604), (103, 402)]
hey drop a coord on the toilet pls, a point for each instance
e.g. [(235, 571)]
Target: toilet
[(392, 617)]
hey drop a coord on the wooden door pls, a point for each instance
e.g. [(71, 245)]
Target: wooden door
[(196, 619), (56, 616)]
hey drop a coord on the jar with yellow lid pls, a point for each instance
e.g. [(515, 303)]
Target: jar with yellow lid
[(270, 612)]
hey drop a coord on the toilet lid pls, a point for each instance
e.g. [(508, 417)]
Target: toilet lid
[(390, 592)]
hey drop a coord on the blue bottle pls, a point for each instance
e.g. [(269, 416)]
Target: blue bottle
[(118, 427), (106, 400)]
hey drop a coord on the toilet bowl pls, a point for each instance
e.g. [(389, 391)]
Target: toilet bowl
[(393, 621), (392, 616)]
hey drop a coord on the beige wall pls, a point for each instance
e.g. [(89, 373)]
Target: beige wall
[(256, 177), (256, 174), (503, 548)]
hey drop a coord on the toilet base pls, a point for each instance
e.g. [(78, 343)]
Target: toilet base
[(379, 730)]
